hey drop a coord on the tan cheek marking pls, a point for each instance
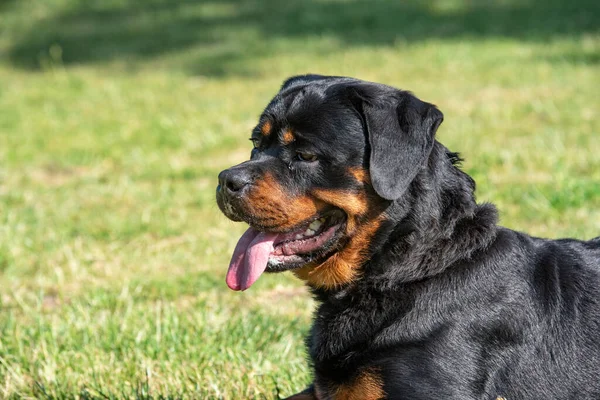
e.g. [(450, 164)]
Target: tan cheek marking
[(288, 137), (265, 129), (353, 204), (343, 266), (276, 208)]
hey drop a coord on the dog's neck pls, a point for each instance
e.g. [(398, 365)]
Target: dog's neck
[(435, 225)]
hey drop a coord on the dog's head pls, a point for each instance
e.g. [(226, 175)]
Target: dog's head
[(330, 155)]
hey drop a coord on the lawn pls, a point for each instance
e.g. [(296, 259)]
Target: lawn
[(117, 115)]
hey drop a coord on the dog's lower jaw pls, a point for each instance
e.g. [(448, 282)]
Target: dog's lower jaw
[(343, 267)]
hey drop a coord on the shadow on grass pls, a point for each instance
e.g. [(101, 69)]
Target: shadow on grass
[(4, 4), (220, 34), (581, 57)]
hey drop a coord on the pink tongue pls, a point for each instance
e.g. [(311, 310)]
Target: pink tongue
[(249, 258)]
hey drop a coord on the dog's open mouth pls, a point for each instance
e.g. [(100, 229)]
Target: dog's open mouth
[(256, 250)]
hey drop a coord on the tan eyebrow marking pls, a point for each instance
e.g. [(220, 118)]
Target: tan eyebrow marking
[(360, 174), (288, 137), (265, 129)]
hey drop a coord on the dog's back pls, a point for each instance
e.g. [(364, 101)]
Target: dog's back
[(520, 320), (563, 356)]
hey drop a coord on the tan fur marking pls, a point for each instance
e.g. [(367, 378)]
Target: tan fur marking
[(360, 174), (277, 210), (368, 386), (265, 129), (343, 266), (354, 204), (288, 137)]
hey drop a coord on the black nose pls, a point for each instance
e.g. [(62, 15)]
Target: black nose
[(234, 180)]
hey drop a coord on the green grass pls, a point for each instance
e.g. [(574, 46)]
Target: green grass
[(117, 115)]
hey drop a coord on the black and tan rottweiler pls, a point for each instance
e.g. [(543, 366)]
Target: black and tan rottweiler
[(421, 294)]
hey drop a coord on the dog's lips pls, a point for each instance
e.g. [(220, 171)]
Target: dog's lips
[(255, 250), (304, 244)]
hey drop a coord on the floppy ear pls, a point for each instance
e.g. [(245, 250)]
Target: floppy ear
[(401, 131)]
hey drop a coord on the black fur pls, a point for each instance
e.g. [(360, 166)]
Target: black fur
[(449, 304)]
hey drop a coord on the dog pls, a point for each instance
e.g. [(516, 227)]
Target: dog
[(421, 294)]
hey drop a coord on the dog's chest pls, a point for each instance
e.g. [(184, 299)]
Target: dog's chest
[(358, 354)]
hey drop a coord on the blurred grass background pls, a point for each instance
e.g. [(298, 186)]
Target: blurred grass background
[(117, 115)]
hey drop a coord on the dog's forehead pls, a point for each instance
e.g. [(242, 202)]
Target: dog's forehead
[(315, 111)]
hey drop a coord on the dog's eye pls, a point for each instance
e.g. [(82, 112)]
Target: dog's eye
[(305, 156), (255, 142)]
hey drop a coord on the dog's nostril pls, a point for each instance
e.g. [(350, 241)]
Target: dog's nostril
[(234, 186), (234, 182)]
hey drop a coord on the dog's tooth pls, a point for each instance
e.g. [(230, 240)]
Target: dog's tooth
[(315, 225), (299, 236), (274, 261), (309, 232)]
